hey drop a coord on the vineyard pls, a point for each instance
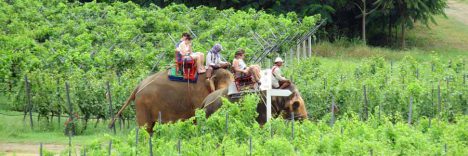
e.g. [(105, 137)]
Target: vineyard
[(61, 59), (92, 44)]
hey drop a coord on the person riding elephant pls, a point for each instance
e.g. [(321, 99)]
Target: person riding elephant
[(241, 69), (283, 106), (184, 36), (157, 95), (185, 50), (278, 81), (214, 62)]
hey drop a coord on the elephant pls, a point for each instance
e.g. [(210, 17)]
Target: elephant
[(284, 106), (157, 95)]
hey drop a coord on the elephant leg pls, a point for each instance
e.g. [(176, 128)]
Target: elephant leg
[(144, 117)]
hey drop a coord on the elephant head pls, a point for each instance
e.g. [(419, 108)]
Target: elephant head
[(221, 79), (285, 106)]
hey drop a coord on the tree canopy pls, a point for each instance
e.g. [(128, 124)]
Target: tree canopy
[(389, 21)]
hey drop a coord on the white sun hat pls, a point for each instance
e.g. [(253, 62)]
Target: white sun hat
[(278, 59)]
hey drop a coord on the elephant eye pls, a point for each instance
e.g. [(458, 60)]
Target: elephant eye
[(295, 105)]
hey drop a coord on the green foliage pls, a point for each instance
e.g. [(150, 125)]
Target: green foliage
[(90, 44), (389, 86), (349, 136)]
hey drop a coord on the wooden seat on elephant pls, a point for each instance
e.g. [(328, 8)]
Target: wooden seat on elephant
[(185, 69), (244, 82)]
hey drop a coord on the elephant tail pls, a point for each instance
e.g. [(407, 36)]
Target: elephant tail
[(130, 99)]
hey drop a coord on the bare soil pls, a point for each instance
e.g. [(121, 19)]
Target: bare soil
[(27, 149)]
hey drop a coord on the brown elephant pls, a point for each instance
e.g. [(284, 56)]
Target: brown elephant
[(173, 100), (280, 105)]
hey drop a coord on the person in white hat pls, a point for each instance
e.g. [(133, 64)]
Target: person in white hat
[(278, 81)]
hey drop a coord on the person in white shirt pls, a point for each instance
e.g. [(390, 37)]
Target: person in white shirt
[(240, 67), (185, 49), (278, 81)]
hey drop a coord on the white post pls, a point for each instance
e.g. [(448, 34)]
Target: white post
[(268, 100), (291, 56), (304, 52), (266, 77), (298, 51), (310, 46)]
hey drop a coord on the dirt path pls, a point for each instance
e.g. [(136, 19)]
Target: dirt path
[(27, 149), (458, 11)]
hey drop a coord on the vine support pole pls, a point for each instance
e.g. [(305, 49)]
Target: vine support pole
[(298, 51), (410, 113), (332, 111), (136, 140), (304, 49), (310, 46), (151, 145), (110, 147), (439, 99), (226, 124), (28, 93), (365, 104), (250, 145), (58, 102), (292, 126), (111, 112), (40, 149), (71, 124)]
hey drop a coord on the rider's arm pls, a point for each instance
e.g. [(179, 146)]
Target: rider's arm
[(208, 60), (235, 65), (278, 75)]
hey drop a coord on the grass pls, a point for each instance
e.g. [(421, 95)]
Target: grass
[(448, 38), (463, 1), (14, 129)]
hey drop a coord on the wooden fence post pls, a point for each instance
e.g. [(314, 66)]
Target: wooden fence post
[(445, 149), (226, 124), (417, 73), (69, 143), (332, 111), (151, 145), (178, 147), (464, 78), (365, 103), (58, 102), (439, 99), (70, 108), (110, 147), (250, 145), (292, 125), (410, 113), (40, 149), (111, 112), (136, 140), (391, 67), (28, 93)]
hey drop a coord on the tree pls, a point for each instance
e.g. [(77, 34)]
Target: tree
[(364, 14)]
